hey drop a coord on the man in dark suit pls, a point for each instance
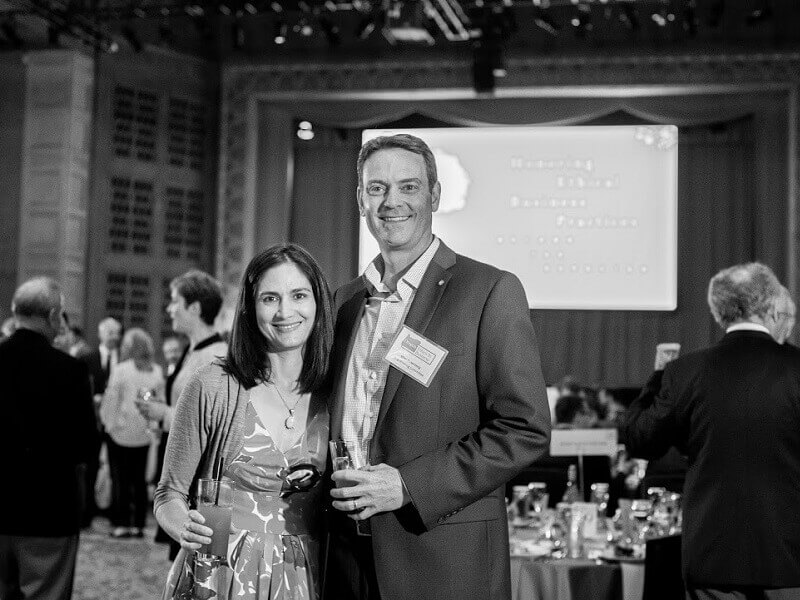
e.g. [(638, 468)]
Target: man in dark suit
[(734, 410), (437, 379), (100, 361), (46, 436)]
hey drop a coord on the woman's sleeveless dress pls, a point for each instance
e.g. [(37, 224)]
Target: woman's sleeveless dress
[(274, 551)]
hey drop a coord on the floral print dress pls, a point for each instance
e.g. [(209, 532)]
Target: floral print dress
[(274, 550)]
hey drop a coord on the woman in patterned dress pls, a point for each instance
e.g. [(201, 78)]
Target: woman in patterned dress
[(259, 418)]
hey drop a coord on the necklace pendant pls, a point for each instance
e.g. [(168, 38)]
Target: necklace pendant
[(289, 422)]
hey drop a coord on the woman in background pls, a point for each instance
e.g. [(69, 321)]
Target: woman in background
[(136, 377), (256, 414)]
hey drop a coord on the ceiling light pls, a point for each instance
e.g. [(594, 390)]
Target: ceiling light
[(305, 131), (303, 28), (408, 23), (546, 23), (279, 32), (365, 27)]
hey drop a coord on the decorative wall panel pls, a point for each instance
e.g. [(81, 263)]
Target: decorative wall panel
[(305, 85), (55, 151)]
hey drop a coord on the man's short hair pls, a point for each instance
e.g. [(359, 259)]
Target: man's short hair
[(37, 297), (741, 292), (198, 286), (403, 141)]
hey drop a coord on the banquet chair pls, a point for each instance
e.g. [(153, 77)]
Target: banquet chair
[(663, 579)]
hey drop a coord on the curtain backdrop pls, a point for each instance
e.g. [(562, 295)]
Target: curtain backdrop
[(732, 208)]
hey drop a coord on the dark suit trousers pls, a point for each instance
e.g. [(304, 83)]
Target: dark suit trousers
[(750, 593), (37, 568), (350, 567)]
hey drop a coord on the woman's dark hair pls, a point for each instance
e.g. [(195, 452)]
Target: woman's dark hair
[(247, 359)]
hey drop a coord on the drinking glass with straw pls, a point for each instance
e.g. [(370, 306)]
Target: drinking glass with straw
[(215, 503)]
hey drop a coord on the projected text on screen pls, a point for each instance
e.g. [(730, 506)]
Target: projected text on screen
[(586, 217)]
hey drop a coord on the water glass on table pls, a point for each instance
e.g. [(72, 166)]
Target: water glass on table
[(215, 502)]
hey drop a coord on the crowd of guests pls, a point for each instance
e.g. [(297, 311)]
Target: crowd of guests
[(426, 368)]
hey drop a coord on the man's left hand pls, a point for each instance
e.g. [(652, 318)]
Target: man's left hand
[(371, 490)]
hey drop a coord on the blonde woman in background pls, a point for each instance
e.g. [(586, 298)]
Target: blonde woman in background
[(136, 378)]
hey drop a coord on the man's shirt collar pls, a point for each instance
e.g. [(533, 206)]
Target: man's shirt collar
[(747, 327), (410, 280)]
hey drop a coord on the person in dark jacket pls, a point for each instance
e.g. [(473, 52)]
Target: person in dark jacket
[(734, 410), (47, 435)]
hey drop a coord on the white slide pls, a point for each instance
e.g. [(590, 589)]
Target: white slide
[(586, 217)]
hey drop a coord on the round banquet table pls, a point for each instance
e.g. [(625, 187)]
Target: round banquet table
[(573, 579)]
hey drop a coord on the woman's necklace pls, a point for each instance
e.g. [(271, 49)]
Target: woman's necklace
[(289, 422)]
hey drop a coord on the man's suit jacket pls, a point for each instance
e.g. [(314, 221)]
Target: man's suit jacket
[(46, 432), (734, 409), (483, 418), (97, 373)]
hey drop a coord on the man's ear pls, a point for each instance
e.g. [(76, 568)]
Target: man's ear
[(195, 308), (56, 319), (436, 193), (358, 201)]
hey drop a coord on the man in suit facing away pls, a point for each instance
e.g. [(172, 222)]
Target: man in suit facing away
[(437, 378), (47, 434), (734, 410)]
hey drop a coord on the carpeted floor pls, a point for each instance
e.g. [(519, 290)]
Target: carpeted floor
[(126, 569)]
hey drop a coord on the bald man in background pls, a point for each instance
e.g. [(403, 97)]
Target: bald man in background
[(47, 435)]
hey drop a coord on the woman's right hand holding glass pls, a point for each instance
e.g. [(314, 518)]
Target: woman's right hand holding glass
[(194, 534)]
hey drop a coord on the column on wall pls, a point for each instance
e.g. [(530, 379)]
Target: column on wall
[(793, 199), (55, 170)]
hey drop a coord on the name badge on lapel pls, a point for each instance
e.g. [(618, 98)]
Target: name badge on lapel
[(416, 356)]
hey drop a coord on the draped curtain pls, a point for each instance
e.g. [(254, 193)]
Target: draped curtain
[(731, 208)]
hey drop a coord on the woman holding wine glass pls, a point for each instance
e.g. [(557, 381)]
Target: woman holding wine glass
[(257, 419), (136, 378)]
